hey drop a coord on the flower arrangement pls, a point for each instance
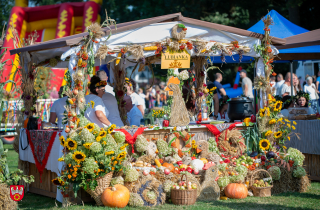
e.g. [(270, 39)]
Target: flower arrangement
[(158, 113), (90, 152)]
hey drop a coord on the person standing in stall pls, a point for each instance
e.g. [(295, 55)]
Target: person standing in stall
[(97, 112), (133, 113), (221, 91), (110, 102), (246, 84), (136, 99), (58, 108)]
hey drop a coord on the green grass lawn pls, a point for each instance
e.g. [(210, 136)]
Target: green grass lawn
[(307, 201), (12, 158)]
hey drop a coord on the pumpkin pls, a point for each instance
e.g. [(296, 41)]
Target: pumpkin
[(116, 196), (204, 160), (236, 191), (170, 166)]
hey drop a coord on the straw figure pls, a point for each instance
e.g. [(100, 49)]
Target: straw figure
[(203, 150), (209, 187), (152, 150), (179, 113)]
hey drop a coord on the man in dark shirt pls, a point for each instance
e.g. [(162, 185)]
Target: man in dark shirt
[(215, 100), (221, 91)]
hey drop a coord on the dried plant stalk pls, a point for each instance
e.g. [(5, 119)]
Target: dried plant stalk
[(199, 61)]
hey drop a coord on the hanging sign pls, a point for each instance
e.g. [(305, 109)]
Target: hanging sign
[(173, 60)]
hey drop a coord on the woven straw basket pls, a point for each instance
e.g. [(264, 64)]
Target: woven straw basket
[(260, 191), (184, 197), (103, 183)]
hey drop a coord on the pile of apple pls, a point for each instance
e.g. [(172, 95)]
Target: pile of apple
[(260, 183), (243, 160), (184, 186)]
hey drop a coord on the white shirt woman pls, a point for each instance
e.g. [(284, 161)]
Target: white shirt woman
[(97, 114), (310, 89), (57, 110), (136, 99), (111, 105)]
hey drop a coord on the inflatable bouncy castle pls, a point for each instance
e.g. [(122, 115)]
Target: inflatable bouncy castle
[(50, 22)]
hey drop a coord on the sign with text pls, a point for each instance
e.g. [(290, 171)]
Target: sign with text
[(173, 60)]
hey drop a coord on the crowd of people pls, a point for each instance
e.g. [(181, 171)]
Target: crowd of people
[(105, 110)]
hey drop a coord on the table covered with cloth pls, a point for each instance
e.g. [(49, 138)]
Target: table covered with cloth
[(309, 133), (26, 151)]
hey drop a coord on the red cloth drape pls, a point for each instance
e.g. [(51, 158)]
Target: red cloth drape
[(131, 139), (38, 146), (216, 132)]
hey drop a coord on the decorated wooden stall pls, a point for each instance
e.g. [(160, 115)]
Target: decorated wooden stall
[(147, 164)]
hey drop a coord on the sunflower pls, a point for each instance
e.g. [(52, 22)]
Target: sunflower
[(102, 134), (277, 106), (121, 156), (124, 146), (90, 127), (87, 145), (111, 128), (98, 138), (277, 134), (287, 120), (271, 122), (71, 144), (62, 140), (61, 159), (289, 125), (271, 98), (78, 156), (109, 153), (294, 122), (289, 138), (268, 133), (264, 144), (212, 89), (58, 182), (293, 127), (280, 120), (264, 112)]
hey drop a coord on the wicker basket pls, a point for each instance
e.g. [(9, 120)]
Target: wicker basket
[(260, 191), (103, 183), (183, 197)]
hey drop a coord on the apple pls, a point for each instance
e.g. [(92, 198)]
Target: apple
[(183, 166), (173, 187), (67, 130), (182, 169), (177, 187), (32, 108), (180, 183), (23, 109), (182, 188), (263, 158), (179, 162), (166, 171), (189, 187), (145, 172), (194, 186), (196, 171)]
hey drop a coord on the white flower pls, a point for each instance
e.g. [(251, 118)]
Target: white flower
[(95, 147), (184, 75)]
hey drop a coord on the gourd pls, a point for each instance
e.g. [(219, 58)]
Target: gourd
[(197, 164), (118, 58), (170, 166), (236, 191), (150, 48), (117, 196), (157, 162)]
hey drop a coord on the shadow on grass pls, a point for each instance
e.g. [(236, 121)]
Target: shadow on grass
[(300, 195)]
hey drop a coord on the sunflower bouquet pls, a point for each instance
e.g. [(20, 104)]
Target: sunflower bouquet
[(158, 113), (90, 152)]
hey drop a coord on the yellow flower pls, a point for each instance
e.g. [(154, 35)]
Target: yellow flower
[(102, 134), (109, 153), (92, 104), (271, 99), (289, 125), (71, 144), (87, 145), (61, 159), (115, 162), (123, 147), (286, 120), (262, 112), (69, 176), (289, 138), (122, 155), (268, 133), (104, 142), (271, 122), (284, 147), (78, 156), (175, 128), (212, 89), (62, 140), (98, 138), (280, 120), (277, 106), (112, 168), (293, 127), (294, 122), (90, 127), (264, 144), (277, 134)]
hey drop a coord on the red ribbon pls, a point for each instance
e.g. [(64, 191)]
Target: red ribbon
[(214, 130), (41, 166), (131, 139)]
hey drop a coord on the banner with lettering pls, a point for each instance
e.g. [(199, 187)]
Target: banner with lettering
[(174, 59)]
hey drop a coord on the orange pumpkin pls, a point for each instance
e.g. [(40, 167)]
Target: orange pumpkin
[(169, 166), (236, 191), (116, 196)]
